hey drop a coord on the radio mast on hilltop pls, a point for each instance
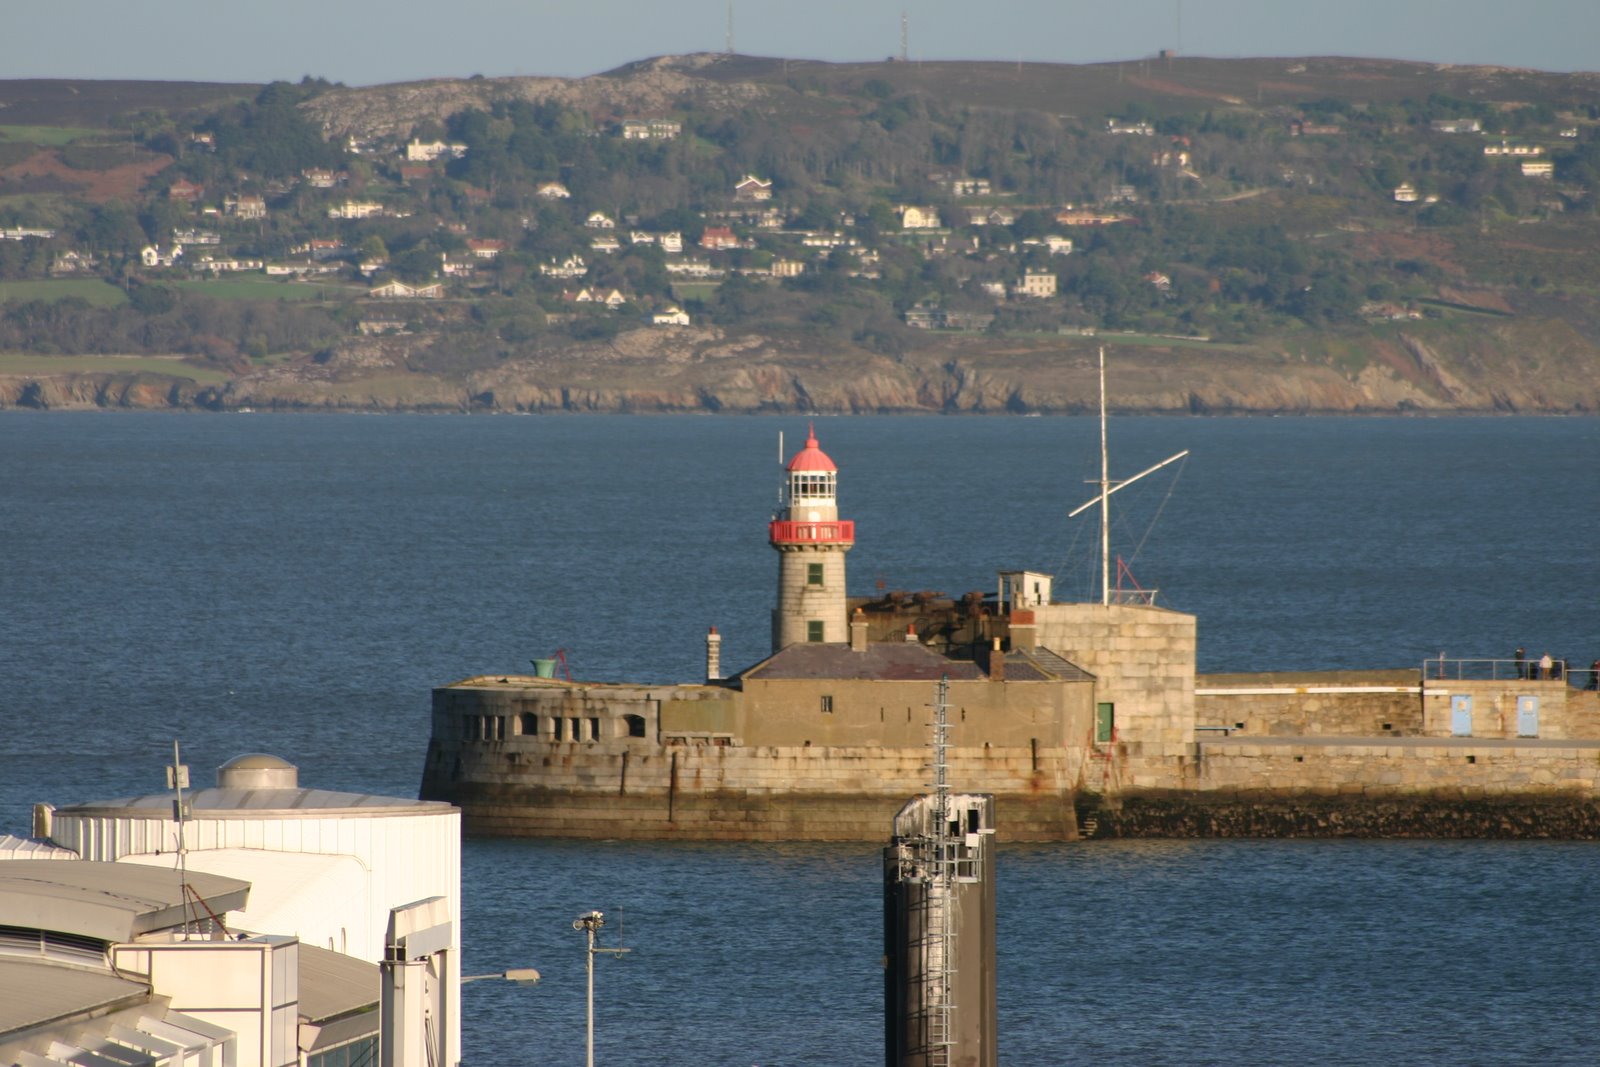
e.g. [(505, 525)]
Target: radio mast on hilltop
[(728, 45), (905, 36)]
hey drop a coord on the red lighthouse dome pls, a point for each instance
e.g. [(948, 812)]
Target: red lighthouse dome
[(812, 457)]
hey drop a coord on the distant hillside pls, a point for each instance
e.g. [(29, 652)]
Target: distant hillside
[(736, 233)]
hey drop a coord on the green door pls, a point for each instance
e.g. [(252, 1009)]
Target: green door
[(1105, 722)]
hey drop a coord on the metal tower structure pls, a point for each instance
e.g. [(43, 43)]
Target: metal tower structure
[(940, 1005)]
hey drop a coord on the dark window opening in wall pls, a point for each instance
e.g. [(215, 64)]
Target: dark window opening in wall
[(635, 725), (814, 631), (827, 705), (556, 728), (813, 574), (594, 729), (528, 724), (972, 820)]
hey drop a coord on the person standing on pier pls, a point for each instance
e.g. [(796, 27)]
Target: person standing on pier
[(1594, 675), (1522, 663), (1545, 663)]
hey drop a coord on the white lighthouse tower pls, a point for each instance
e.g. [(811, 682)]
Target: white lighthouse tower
[(811, 542)]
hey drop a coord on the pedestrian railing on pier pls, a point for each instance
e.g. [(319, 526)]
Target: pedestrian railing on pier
[(1441, 669)]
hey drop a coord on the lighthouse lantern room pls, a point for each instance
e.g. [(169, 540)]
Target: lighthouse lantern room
[(811, 542)]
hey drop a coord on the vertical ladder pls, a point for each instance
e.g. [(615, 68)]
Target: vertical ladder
[(938, 942)]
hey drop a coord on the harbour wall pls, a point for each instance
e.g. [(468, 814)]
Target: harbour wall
[(759, 793), (1352, 753)]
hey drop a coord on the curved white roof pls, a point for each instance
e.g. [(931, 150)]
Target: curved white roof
[(251, 803)]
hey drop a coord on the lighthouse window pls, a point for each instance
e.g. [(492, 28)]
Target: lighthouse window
[(814, 631), (813, 574), (811, 486), (827, 705)]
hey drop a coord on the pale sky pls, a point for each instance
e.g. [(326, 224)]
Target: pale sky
[(398, 40)]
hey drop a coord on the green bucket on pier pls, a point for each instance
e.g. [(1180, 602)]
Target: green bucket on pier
[(544, 668)]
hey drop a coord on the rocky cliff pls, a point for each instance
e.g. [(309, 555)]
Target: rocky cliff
[(1427, 368)]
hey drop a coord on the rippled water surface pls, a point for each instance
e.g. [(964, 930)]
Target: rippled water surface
[(298, 583)]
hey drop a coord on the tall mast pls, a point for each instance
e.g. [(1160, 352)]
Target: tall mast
[(1107, 487), (1105, 493)]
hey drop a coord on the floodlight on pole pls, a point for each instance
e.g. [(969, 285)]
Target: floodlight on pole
[(590, 922)]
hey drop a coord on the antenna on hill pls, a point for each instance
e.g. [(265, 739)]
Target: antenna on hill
[(729, 42), (905, 36)]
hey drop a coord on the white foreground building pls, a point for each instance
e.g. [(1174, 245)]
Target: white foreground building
[(308, 921)]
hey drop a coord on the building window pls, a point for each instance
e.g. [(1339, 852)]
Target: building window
[(594, 729), (358, 1053), (528, 724), (635, 725), (555, 725), (827, 705), (814, 631), (813, 574)]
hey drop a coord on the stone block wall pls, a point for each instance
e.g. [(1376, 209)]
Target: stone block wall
[(876, 713), (1563, 713), (1143, 661), (800, 602), (1374, 767), (1311, 703)]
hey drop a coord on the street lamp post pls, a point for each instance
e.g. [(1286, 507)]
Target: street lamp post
[(591, 922)]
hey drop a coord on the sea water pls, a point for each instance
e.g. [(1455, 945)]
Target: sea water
[(297, 583)]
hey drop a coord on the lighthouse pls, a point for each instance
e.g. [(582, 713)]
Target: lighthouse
[(811, 542)]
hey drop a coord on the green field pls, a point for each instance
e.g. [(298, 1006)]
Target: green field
[(49, 136), (95, 291), (260, 287), (44, 366), (694, 290)]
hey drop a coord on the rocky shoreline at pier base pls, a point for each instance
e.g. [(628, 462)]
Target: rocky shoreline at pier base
[(1432, 815)]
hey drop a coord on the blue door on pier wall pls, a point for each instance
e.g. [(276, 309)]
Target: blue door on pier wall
[(1461, 715), (1527, 716)]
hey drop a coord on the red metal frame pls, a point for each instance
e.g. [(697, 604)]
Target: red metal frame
[(790, 532)]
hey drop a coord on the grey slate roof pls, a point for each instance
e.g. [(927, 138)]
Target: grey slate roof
[(900, 661), (1045, 665), (908, 661)]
